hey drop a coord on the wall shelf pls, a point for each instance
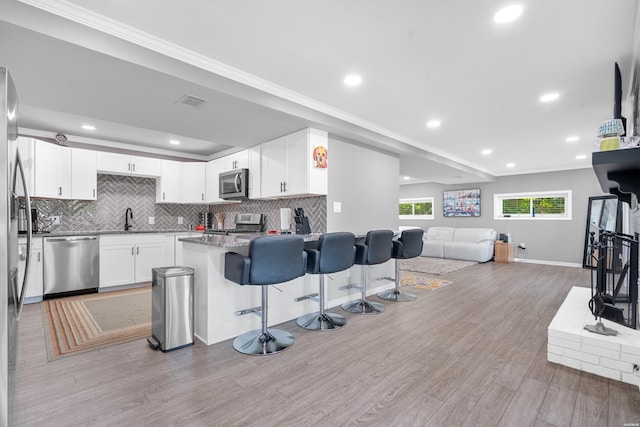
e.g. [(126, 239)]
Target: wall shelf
[(618, 172)]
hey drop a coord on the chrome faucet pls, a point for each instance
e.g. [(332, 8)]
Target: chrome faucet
[(127, 214)]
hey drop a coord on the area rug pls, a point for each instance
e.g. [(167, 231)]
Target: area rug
[(89, 322), (437, 266), (423, 282)]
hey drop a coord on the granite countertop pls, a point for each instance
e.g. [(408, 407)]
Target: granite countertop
[(103, 232), (238, 240)]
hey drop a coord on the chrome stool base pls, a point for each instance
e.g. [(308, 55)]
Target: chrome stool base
[(321, 322), (363, 306), (396, 295), (258, 343)]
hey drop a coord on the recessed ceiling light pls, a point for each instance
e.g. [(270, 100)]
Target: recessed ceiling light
[(510, 165), (581, 156), (406, 178), (508, 14), (353, 80), (88, 127), (572, 138), (174, 142), (548, 97), (433, 123), (486, 152)]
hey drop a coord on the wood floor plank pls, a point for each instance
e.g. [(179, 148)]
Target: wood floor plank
[(559, 403), (470, 353)]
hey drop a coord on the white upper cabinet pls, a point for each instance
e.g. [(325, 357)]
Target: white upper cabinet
[(57, 172), (239, 160), (193, 182), (84, 176), (169, 185), (122, 164), (295, 164)]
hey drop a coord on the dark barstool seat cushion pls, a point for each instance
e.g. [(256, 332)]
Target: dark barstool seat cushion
[(335, 252), (376, 248), (271, 260), (408, 245)]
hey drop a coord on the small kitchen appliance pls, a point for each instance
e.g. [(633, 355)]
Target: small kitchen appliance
[(245, 223), (302, 222)]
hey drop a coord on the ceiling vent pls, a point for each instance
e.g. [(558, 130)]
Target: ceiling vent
[(190, 101)]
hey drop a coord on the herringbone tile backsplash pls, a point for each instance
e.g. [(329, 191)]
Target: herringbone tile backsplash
[(117, 193)]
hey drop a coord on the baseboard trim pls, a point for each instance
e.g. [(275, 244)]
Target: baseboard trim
[(540, 261)]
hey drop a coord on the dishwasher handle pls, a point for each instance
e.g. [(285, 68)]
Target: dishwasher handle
[(70, 239)]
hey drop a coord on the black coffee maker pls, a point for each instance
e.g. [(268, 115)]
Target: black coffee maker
[(302, 222)]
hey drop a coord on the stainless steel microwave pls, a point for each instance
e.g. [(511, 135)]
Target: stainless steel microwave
[(234, 185)]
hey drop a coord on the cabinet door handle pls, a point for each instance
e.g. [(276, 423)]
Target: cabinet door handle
[(131, 250), (129, 166), (202, 196), (285, 186), (59, 191), (38, 256), (137, 250), (134, 167), (163, 195), (94, 192)]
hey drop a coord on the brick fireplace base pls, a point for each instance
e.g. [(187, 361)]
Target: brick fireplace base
[(571, 345)]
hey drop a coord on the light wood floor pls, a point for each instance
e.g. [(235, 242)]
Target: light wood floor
[(472, 353)]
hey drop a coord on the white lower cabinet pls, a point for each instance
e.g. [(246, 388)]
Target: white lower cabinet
[(128, 259), (34, 288)]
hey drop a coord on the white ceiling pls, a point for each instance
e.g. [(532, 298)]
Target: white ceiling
[(270, 68)]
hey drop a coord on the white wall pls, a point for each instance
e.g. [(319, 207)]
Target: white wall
[(365, 183), (554, 240)]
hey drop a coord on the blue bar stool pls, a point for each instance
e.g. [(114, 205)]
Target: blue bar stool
[(408, 245), (335, 252), (271, 260), (376, 249)]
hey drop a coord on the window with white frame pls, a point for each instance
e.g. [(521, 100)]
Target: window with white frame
[(542, 205), (416, 208)]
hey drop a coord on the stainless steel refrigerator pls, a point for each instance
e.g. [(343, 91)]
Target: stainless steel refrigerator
[(12, 287)]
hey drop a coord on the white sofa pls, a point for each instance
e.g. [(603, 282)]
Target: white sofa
[(469, 244)]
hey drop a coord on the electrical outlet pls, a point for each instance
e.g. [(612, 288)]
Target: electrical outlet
[(152, 220), (636, 369), (180, 220), (55, 220), (522, 246)]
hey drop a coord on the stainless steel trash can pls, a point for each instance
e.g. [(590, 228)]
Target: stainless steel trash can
[(172, 308)]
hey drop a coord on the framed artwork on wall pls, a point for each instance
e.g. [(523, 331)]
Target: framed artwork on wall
[(461, 202)]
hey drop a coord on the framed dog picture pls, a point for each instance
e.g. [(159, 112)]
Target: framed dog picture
[(320, 157), (461, 202)]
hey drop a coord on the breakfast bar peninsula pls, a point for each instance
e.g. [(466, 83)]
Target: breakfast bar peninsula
[(217, 300)]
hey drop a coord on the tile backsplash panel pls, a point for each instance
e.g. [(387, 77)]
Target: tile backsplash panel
[(116, 193)]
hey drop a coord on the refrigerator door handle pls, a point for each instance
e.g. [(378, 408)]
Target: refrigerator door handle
[(23, 292)]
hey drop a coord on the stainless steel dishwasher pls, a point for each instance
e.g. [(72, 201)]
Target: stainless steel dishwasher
[(71, 265)]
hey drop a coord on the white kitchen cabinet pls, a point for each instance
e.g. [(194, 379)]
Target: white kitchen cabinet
[(212, 173), (169, 184), (288, 167), (177, 245), (35, 282), (129, 258), (122, 164), (52, 170), (84, 175), (57, 172), (239, 160), (193, 182)]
